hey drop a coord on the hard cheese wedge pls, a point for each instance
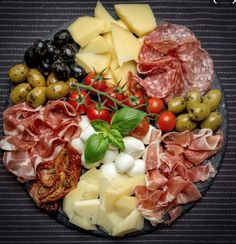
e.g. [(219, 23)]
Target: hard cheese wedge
[(126, 45), (82, 222), (86, 28), (101, 12), (92, 176), (138, 17), (93, 61), (97, 45), (125, 205)]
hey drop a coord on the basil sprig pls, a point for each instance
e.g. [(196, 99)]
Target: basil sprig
[(123, 122)]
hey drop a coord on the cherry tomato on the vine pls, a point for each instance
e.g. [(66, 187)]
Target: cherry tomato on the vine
[(155, 105), (114, 92), (80, 101), (166, 122), (97, 111), (96, 80), (141, 130), (136, 100)]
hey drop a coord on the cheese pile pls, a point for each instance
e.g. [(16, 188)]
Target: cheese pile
[(110, 44)]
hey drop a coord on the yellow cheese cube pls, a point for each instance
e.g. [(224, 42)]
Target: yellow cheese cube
[(138, 17), (103, 185), (86, 28), (102, 13), (121, 74), (133, 222), (82, 222), (125, 205), (107, 221), (126, 45), (97, 45), (93, 61), (92, 176), (87, 209)]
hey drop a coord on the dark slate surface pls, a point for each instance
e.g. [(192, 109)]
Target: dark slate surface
[(213, 219)]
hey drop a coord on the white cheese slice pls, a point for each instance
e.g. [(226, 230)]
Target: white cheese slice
[(138, 17), (126, 45), (101, 12), (86, 28), (93, 61)]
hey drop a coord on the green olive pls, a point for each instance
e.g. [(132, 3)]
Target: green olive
[(20, 92), (36, 96), (198, 111), (176, 105), (35, 78), (212, 99), (183, 122), (18, 73), (57, 90), (71, 82), (51, 79), (213, 121), (192, 96)]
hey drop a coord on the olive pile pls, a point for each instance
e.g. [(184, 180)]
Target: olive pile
[(194, 109), (56, 56), (34, 88)]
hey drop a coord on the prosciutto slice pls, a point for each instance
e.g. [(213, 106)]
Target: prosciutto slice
[(33, 136), (171, 172)]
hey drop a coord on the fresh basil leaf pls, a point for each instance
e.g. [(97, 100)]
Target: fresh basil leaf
[(115, 138), (126, 120), (99, 125), (95, 148)]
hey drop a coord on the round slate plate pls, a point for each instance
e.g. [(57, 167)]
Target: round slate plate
[(203, 187)]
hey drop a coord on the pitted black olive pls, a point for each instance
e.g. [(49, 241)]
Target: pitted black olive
[(77, 71), (40, 49), (62, 37), (61, 70), (68, 54), (31, 58), (45, 67)]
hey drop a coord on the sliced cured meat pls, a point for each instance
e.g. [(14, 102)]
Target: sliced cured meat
[(154, 180), (148, 53), (36, 135)]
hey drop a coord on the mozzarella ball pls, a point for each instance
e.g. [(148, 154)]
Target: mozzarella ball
[(87, 132), (89, 166), (138, 168), (77, 144), (110, 156), (133, 146), (84, 122), (123, 162), (109, 171)]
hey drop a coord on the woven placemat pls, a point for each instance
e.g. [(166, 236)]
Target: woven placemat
[(213, 219)]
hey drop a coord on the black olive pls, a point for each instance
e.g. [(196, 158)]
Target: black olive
[(68, 54), (62, 37), (61, 70), (75, 46), (77, 71), (40, 48), (45, 67), (50, 50), (31, 58)]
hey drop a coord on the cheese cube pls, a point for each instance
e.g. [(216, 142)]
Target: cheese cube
[(121, 74), (138, 17), (93, 61), (102, 13), (125, 205), (126, 45), (86, 28), (133, 222), (92, 176), (97, 45), (103, 185), (87, 209), (82, 222), (107, 221)]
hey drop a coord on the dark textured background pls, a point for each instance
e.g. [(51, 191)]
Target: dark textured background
[(213, 220)]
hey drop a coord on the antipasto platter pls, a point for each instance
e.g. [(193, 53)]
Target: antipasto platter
[(115, 125)]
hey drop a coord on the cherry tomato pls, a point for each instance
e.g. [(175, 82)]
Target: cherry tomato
[(155, 105), (96, 111), (79, 101), (141, 130), (166, 121), (114, 92), (136, 100), (96, 80)]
